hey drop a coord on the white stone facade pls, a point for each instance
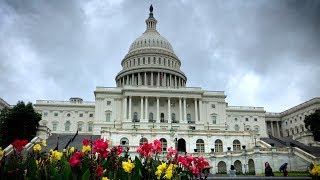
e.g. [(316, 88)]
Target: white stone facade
[(151, 101)]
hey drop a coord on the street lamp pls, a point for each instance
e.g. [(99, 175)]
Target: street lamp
[(153, 124)]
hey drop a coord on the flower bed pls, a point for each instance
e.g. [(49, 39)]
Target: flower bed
[(97, 161)]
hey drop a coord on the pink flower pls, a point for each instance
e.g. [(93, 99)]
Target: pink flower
[(99, 171), (75, 160), (119, 150), (19, 144), (101, 147), (86, 142), (157, 146), (190, 159), (183, 161), (194, 170), (171, 153)]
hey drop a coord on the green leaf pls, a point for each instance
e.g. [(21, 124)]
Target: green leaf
[(86, 175), (66, 172)]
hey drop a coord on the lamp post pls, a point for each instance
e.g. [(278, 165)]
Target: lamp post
[(153, 124), (114, 124), (134, 124)]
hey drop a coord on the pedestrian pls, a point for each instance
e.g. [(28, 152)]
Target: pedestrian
[(283, 168), (268, 169), (232, 171)]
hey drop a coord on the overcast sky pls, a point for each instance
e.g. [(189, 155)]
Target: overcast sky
[(261, 53)]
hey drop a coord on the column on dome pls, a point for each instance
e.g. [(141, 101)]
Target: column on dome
[(130, 106), (158, 79), (170, 80), (196, 109), (200, 110), (271, 122), (180, 110), (141, 112), (175, 81), (139, 79), (132, 79), (124, 108), (179, 82), (145, 79), (169, 108), (158, 112), (164, 82), (151, 78), (185, 108), (146, 109)]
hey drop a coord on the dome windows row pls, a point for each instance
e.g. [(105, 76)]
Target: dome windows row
[(150, 43), (151, 61)]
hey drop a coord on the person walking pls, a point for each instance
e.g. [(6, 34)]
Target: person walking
[(268, 169), (283, 168), (232, 171)]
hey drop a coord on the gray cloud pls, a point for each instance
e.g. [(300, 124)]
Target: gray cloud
[(262, 53)]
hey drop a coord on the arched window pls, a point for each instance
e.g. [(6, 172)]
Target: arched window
[(151, 117), (236, 145), (161, 117), (236, 127), (200, 145), (124, 141), (135, 117), (214, 118), (80, 126), (143, 141), (90, 126), (163, 144), (67, 126), (173, 117), (189, 118), (218, 145)]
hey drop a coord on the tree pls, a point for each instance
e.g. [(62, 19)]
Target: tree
[(312, 123), (20, 122)]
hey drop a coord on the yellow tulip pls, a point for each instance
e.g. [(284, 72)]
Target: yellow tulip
[(104, 178), (127, 166), (86, 149), (37, 148), (1, 152), (44, 143)]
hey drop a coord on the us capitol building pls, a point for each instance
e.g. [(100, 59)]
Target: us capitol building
[(151, 101)]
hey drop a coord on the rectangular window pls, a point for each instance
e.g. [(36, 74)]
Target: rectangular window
[(214, 119), (108, 117), (90, 127), (55, 114), (213, 106), (108, 102), (255, 119), (54, 126), (247, 119), (80, 127), (45, 114), (80, 115), (90, 115)]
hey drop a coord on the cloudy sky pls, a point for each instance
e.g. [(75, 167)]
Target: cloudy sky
[(261, 53)]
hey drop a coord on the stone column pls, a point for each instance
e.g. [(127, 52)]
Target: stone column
[(169, 108), (164, 80), (170, 80), (271, 122), (141, 113), (158, 113), (151, 78), (185, 108), (145, 79), (124, 103), (158, 79), (139, 79), (278, 128), (196, 109), (146, 110), (180, 110), (132, 79), (179, 82), (175, 81), (130, 103), (200, 110)]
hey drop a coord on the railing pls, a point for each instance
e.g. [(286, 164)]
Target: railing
[(64, 102), (245, 108), (9, 149)]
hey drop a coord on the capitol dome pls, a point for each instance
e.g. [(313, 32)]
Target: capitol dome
[(151, 61)]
